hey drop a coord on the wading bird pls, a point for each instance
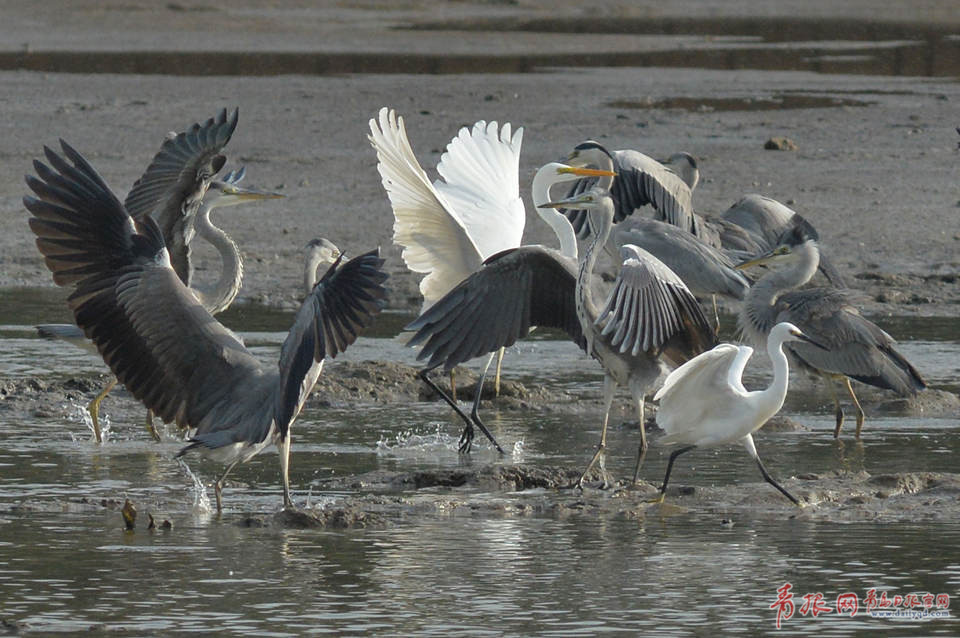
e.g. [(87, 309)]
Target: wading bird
[(179, 191), (852, 347), (703, 402), (505, 264), (162, 344), (641, 181), (449, 227), (649, 315), (765, 221)]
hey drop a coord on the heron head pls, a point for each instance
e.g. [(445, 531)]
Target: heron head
[(227, 192), (791, 248), (587, 153), (322, 251), (590, 199)]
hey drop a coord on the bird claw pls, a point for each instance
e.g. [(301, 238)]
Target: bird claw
[(466, 440)]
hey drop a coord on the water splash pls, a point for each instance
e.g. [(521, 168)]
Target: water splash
[(201, 502), (517, 452), (82, 415), (407, 441)]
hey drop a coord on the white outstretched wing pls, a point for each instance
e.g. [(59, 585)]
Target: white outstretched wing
[(481, 181), (715, 374), (434, 240)]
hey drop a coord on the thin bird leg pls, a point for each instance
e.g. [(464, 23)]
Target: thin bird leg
[(453, 385), (284, 449), (637, 393), (152, 430), (94, 409), (467, 435), (860, 414), (475, 412), (218, 486), (609, 386), (752, 450), (666, 477), (836, 402), (496, 378)]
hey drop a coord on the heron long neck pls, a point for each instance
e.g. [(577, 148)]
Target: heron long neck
[(231, 273), (600, 224), (542, 181), (310, 277), (760, 306)]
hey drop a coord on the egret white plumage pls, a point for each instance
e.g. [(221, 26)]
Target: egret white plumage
[(703, 402), (162, 344), (853, 347)]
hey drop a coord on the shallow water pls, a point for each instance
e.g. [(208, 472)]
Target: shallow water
[(438, 571)]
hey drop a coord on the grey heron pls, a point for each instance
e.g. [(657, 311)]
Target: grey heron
[(162, 344), (641, 181), (765, 220), (853, 347), (545, 177), (179, 190), (703, 402), (650, 314)]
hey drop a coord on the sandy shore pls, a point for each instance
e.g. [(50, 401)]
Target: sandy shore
[(877, 180)]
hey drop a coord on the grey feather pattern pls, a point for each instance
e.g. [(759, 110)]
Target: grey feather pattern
[(495, 306)]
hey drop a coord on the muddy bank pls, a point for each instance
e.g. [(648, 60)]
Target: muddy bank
[(386, 498)]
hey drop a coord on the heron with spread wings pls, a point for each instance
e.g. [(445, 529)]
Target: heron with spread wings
[(162, 343), (179, 190)]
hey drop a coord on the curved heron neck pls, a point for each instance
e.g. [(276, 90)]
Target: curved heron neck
[(310, 277), (542, 182), (762, 298), (231, 274)]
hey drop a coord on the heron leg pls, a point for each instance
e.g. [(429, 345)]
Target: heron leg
[(467, 437), (642, 452), (150, 428), (94, 409), (836, 403), (218, 486), (609, 386), (496, 378), (752, 450), (453, 385), (475, 411), (666, 477), (856, 403), (284, 449)]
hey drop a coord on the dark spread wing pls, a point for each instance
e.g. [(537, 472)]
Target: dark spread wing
[(855, 346), (495, 306), (640, 181), (650, 310), (158, 340), (176, 180), (342, 304)]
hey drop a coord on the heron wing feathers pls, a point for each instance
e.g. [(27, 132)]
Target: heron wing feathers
[(176, 180), (516, 289)]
